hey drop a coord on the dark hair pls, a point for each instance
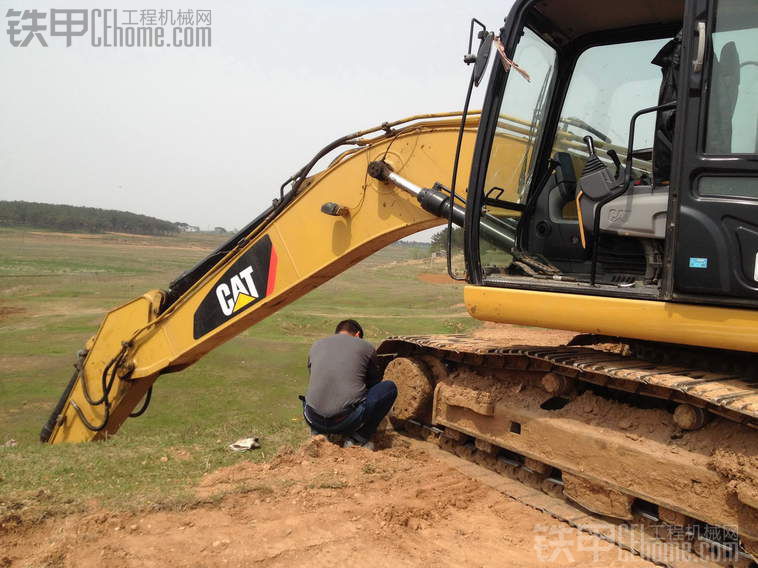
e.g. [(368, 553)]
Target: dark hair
[(350, 326)]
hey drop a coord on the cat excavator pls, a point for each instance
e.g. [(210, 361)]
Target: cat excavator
[(612, 191)]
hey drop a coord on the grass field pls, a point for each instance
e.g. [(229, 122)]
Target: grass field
[(54, 289)]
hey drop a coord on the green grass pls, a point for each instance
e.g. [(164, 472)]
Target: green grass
[(54, 291)]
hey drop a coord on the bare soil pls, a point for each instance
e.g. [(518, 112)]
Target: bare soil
[(508, 334), (6, 311), (321, 506), (434, 278), (133, 240)]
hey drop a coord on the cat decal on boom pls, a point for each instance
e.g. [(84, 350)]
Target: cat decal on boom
[(247, 281)]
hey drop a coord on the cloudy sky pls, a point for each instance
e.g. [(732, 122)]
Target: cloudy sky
[(207, 135)]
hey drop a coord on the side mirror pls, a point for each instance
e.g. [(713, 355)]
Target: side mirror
[(482, 56)]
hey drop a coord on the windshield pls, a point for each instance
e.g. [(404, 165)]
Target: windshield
[(521, 118), (609, 84)]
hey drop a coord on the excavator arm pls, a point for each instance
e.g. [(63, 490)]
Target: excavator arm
[(325, 224)]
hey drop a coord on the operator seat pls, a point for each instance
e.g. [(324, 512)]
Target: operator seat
[(725, 82), (668, 59), (725, 86)]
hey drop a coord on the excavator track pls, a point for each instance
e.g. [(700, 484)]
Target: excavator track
[(577, 429), (732, 396), (504, 476)]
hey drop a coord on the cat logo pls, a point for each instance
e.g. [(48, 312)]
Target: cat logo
[(250, 279), (238, 293)]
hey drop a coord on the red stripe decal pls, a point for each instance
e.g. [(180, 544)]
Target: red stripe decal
[(271, 272)]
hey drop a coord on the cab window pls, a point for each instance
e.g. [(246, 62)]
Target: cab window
[(609, 84), (732, 111), (520, 121)]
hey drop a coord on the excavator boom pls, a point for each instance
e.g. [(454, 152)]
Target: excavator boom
[(326, 224)]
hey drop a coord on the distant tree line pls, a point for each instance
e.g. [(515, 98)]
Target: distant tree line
[(81, 219), (439, 240)]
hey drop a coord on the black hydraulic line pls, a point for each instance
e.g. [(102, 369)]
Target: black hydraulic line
[(87, 423), (303, 172), (458, 145), (142, 410), (107, 384), (119, 360), (458, 198), (103, 376), (186, 280), (88, 396)]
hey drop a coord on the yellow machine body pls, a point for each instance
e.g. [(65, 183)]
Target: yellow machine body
[(669, 322)]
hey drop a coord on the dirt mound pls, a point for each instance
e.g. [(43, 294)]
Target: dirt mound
[(321, 505), (519, 335), (742, 472)]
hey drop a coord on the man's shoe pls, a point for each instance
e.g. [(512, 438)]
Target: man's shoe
[(338, 439), (352, 442)]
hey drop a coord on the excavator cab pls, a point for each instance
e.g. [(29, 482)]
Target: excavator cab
[(626, 152)]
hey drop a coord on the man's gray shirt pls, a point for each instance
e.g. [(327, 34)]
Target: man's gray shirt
[(342, 367)]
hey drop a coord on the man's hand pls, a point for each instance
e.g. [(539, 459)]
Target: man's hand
[(373, 372)]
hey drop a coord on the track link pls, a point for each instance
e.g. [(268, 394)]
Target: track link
[(539, 484), (629, 537), (732, 396)]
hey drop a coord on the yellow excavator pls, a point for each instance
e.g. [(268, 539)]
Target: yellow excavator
[(612, 190)]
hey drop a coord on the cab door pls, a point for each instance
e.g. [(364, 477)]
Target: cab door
[(714, 249)]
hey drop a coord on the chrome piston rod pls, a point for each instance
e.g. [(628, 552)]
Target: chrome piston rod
[(437, 201)]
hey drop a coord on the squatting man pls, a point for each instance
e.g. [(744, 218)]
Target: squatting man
[(346, 395)]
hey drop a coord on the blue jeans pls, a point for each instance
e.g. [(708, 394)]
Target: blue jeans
[(362, 422), (379, 401)]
